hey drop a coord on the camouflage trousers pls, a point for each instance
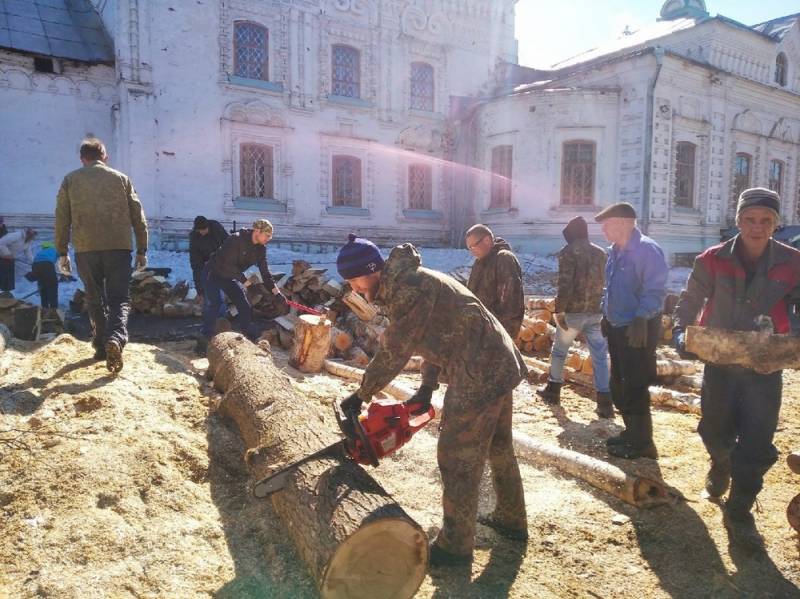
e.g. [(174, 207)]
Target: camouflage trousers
[(471, 431)]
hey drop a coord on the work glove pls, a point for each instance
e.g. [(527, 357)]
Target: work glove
[(420, 402), (637, 332), (605, 327), (561, 321), (679, 342), (141, 261), (64, 265), (351, 405)]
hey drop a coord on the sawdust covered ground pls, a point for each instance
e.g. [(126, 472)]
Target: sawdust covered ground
[(131, 486)]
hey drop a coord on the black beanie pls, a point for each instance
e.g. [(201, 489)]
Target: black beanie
[(200, 222), (358, 257), (576, 229)]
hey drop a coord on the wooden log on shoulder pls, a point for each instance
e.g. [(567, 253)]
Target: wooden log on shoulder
[(354, 538), (761, 352), (361, 307), (312, 342)]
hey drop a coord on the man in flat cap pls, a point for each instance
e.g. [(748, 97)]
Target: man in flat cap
[(224, 273), (733, 286), (636, 277)]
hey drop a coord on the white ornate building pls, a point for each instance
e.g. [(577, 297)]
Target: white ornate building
[(397, 119)]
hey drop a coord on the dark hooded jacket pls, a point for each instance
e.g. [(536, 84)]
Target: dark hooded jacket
[(581, 271), (236, 255), (496, 279), (436, 317), (201, 247)]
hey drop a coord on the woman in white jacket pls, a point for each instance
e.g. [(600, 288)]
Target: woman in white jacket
[(11, 245)]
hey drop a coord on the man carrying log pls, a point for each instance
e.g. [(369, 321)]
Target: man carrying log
[(96, 209), (224, 273), (581, 276), (205, 238), (434, 316), (496, 277), (636, 277), (732, 286)]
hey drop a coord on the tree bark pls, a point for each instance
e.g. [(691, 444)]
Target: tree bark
[(761, 352), (312, 342), (354, 538), (793, 513)]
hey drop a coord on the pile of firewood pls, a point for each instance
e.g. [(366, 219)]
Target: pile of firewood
[(538, 326), (152, 294)]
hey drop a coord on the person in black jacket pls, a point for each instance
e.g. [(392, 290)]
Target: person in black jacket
[(205, 238), (224, 273)]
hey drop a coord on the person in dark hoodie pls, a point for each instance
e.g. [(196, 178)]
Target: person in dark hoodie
[(496, 277), (205, 238), (581, 277)]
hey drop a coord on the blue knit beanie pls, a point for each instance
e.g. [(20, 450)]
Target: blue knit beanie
[(358, 257)]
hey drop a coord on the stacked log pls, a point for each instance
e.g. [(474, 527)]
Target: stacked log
[(152, 294)]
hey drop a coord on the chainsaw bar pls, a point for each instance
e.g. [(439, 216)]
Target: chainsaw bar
[(277, 480)]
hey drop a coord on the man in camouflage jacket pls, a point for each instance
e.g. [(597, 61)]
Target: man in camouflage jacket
[(496, 277), (434, 316)]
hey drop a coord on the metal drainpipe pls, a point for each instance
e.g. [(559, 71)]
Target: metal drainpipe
[(644, 221)]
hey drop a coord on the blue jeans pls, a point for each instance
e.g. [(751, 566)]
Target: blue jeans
[(212, 303), (589, 325)]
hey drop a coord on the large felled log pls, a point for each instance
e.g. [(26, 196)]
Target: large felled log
[(354, 538), (761, 352), (636, 490), (312, 342)]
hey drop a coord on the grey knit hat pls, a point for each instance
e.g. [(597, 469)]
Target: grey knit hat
[(759, 197)]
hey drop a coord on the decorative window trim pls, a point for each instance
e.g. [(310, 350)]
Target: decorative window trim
[(436, 57), (267, 63), (355, 55), (362, 39)]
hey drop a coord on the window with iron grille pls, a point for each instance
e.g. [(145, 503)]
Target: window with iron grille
[(421, 86), (502, 158), (741, 174), (420, 187), (346, 181), (684, 174), (577, 173), (255, 171), (781, 66), (250, 51), (346, 70), (776, 176)]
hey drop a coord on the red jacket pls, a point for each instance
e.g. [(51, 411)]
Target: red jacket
[(718, 291)]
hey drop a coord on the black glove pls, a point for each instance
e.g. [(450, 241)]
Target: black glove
[(679, 342), (637, 332), (351, 405), (605, 327), (420, 401)]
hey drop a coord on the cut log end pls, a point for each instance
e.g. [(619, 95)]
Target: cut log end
[(793, 513), (649, 493), (357, 568)]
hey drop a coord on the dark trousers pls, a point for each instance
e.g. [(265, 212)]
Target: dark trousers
[(633, 369), (740, 414), (106, 279), (46, 279), (212, 302), (7, 274)]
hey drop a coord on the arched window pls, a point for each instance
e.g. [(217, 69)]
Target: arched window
[(346, 175), (421, 86), (577, 173), (420, 187), (741, 174), (781, 66), (502, 161), (250, 51), (346, 69), (255, 171), (776, 169), (684, 174)]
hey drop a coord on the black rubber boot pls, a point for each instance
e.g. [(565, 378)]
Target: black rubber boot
[(718, 478), (515, 534), (622, 437), (639, 442), (605, 407), (740, 522), (551, 393), (439, 557)]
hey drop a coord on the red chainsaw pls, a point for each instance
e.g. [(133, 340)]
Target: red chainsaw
[(370, 436)]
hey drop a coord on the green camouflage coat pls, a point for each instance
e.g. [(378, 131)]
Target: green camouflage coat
[(96, 209), (434, 316), (496, 279), (581, 277)]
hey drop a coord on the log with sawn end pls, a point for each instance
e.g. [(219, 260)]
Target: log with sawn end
[(354, 538), (761, 352)]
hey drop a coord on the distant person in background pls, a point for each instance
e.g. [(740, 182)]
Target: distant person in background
[(44, 273), (12, 244), (3, 228), (205, 238)]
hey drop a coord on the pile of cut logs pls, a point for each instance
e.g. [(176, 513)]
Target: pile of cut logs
[(152, 294), (538, 326)]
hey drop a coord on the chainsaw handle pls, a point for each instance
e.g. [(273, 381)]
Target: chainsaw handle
[(418, 421)]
